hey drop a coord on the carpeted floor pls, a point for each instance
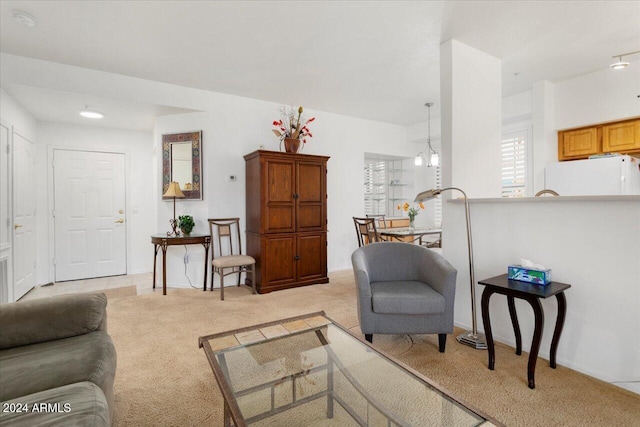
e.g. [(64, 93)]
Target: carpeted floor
[(164, 379)]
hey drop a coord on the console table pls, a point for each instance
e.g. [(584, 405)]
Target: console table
[(531, 293), (163, 241)]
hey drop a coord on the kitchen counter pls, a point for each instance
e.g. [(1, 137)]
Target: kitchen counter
[(550, 199)]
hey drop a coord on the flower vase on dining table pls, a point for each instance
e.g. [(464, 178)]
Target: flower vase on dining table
[(412, 223)]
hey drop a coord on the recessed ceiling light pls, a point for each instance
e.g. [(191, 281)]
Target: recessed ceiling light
[(91, 114), (24, 19)]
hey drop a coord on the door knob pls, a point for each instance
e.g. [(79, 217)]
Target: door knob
[(16, 226), (120, 221)]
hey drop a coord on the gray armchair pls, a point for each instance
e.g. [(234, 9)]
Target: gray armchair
[(404, 289)]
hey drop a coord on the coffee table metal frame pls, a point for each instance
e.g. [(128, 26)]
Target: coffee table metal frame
[(233, 411)]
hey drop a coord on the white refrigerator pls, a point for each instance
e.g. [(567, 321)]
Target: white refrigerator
[(616, 175)]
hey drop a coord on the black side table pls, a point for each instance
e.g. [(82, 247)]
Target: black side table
[(531, 293)]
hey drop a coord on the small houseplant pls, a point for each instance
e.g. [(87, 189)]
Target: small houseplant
[(186, 224)]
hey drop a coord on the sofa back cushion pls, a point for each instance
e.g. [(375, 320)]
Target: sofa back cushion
[(46, 319)]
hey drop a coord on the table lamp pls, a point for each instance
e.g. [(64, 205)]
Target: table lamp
[(174, 192), (471, 338)]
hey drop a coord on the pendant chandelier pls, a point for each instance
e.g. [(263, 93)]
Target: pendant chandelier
[(431, 158)]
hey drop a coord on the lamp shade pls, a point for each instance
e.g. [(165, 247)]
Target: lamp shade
[(174, 191), (428, 194)]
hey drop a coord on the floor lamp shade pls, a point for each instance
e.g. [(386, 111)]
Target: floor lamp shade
[(471, 338), (175, 193)]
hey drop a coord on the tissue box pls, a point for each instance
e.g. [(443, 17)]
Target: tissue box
[(539, 277)]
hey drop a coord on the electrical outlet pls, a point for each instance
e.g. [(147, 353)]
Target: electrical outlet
[(232, 178)]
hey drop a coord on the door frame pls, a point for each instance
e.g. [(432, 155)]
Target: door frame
[(51, 199), (6, 252)]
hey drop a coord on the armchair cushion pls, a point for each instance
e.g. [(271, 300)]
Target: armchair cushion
[(406, 297)]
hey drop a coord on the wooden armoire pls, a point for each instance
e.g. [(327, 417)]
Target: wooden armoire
[(287, 219)]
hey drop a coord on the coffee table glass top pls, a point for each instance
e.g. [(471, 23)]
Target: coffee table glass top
[(310, 371)]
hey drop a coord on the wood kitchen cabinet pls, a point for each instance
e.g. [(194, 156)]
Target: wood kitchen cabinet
[(578, 143), (287, 218), (616, 137), (623, 136)]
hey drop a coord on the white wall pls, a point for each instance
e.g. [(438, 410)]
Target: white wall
[(602, 96), (140, 175), (18, 117)]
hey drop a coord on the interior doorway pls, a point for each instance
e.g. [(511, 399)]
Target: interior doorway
[(89, 214)]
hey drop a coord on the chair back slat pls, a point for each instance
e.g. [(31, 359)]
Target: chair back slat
[(366, 231), (225, 234)]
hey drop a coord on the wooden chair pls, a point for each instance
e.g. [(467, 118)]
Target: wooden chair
[(381, 221), (437, 243), (366, 231), (381, 224), (227, 258)]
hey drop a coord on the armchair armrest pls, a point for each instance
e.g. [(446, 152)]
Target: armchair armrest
[(47, 319), (361, 273), (438, 273)]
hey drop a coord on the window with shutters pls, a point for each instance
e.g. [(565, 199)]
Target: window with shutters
[(375, 187), (386, 183), (514, 164)]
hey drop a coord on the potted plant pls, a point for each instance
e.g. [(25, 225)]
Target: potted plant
[(412, 211), (291, 129), (186, 224)]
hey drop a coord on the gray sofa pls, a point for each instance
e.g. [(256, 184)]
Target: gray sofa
[(404, 289), (57, 362)]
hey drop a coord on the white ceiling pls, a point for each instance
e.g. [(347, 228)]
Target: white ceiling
[(372, 59)]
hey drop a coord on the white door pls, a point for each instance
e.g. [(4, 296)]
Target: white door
[(24, 215), (89, 214)]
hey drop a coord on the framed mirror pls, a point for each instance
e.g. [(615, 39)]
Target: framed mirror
[(182, 163)]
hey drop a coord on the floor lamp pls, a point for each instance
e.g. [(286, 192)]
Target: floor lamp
[(174, 192), (471, 338)]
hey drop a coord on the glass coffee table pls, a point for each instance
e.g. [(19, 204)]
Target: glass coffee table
[(308, 370)]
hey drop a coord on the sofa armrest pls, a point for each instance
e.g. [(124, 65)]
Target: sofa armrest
[(47, 319)]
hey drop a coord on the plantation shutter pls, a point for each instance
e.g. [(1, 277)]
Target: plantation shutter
[(438, 201), (375, 187), (514, 163)]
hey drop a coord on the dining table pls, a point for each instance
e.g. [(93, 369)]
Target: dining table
[(407, 234)]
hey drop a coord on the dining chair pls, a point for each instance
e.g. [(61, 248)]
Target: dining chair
[(381, 221), (227, 257), (428, 243), (366, 231)]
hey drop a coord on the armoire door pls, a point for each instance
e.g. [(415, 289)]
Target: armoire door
[(278, 260), (310, 196), (312, 256), (279, 209)]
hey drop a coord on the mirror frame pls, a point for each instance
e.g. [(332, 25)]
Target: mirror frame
[(196, 162)]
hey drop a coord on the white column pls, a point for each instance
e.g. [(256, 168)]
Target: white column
[(471, 97), (545, 138)]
